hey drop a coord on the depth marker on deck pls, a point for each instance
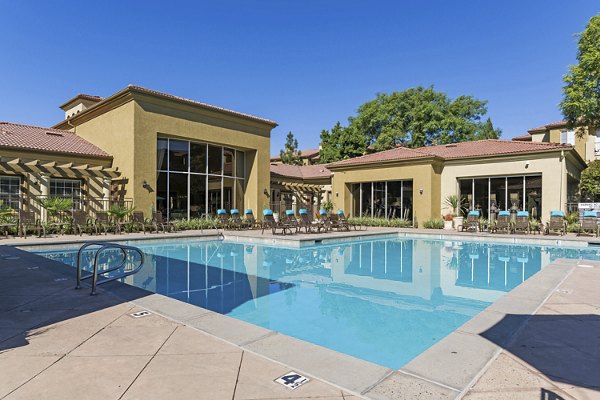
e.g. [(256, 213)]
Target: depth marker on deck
[(292, 380)]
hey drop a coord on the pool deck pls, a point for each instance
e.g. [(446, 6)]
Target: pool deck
[(539, 339)]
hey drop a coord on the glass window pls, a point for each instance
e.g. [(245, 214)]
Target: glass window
[(214, 194), (407, 200), (197, 195), (10, 187), (162, 147), (356, 199), (198, 157), (228, 193), (178, 196), (240, 167), (394, 199), (498, 193), (466, 192), (215, 165), (367, 204), (515, 193), (178, 155), (567, 137), (533, 195), (67, 188), (481, 196), (161, 192), (228, 161), (379, 199)]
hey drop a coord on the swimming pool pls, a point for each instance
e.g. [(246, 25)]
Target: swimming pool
[(383, 300)]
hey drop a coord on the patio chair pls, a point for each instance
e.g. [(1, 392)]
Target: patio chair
[(325, 220), (104, 223), (223, 219), (236, 221), (27, 220), (159, 222), (472, 222), (289, 218), (138, 221), (522, 223), (81, 223), (588, 223), (557, 223), (251, 220), (307, 224), (503, 223), (270, 223), (338, 223), (342, 218)]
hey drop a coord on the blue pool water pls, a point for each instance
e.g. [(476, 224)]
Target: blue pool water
[(385, 301)]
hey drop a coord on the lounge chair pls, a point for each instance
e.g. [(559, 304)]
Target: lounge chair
[(251, 220), (338, 223), (138, 221), (342, 218), (222, 219), (104, 223), (472, 222), (27, 220), (588, 223), (522, 222), (270, 223), (325, 220), (236, 221), (557, 223), (289, 218), (503, 223), (159, 222), (307, 224), (81, 223)]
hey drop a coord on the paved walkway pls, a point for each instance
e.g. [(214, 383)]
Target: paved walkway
[(61, 343)]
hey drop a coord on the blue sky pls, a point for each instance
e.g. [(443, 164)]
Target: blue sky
[(304, 64)]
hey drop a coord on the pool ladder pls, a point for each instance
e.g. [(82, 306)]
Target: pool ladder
[(214, 225), (104, 246)]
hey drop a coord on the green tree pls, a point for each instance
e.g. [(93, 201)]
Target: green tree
[(341, 143), (413, 118), (589, 185), (581, 93), (290, 153)]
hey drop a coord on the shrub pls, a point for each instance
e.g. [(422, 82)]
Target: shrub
[(435, 223), (572, 218), (382, 222), (194, 223)]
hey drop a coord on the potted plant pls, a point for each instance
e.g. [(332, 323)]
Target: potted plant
[(448, 221), (456, 203)]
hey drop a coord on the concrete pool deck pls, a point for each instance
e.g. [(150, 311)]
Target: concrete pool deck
[(542, 336)]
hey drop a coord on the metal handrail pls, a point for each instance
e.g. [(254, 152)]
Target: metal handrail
[(207, 217), (105, 246)]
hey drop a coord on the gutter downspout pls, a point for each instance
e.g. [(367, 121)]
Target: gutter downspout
[(562, 174)]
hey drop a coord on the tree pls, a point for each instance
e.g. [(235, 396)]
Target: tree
[(290, 153), (589, 185), (341, 143), (581, 93), (413, 118)]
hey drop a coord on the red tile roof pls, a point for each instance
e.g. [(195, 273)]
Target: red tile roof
[(474, 149), (551, 125), (300, 171), (522, 138), (81, 96), (35, 138), (308, 153)]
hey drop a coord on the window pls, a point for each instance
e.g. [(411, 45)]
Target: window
[(67, 188), (197, 178), (10, 191), (567, 137), (387, 199)]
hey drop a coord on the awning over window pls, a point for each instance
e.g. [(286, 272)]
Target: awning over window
[(56, 169)]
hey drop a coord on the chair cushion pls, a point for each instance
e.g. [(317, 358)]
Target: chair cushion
[(504, 214), (473, 213), (522, 213), (267, 212), (234, 211), (221, 211), (303, 211), (248, 211), (289, 212), (322, 212), (590, 214), (557, 214), (340, 212)]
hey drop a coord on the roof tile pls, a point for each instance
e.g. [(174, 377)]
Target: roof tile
[(300, 171), (27, 137)]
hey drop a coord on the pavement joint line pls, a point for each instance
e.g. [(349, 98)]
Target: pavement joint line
[(429, 380), (149, 361), (237, 377), (267, 335), (383, 378), (515, 335)]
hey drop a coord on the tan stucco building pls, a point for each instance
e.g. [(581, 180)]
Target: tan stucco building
[(176, 155), (489, 174)]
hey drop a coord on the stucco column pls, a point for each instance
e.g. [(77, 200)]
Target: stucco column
[(44, 181), (105, 194)]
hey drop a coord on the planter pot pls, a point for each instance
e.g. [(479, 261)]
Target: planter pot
[(448, 224), (458, 221)]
